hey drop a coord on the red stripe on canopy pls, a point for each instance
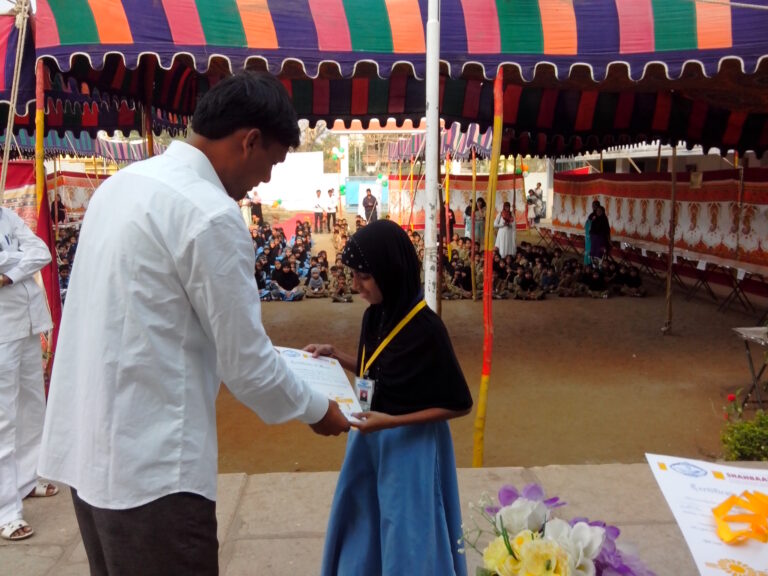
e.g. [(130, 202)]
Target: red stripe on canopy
[(184, 22), (331, 25)]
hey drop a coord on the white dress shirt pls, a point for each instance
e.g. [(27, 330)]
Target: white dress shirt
[(162, 305), (23, 309), (331, 203)]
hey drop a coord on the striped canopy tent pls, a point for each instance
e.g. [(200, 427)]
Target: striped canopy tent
[(453, 141), (84, 145), (9, 41), (579, 74)]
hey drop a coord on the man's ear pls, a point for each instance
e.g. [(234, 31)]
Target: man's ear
[(252, 140)]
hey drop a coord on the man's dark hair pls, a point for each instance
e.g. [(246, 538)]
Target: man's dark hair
[(248, 100)]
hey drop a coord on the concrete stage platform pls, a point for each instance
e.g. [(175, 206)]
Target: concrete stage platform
[(274, 524)]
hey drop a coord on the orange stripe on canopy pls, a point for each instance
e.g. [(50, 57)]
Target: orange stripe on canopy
[(406, 25), (713, 25), (257, 23), (111, 21), (558, 22)]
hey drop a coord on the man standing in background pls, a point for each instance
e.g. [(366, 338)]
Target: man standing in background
[(319, 209), (331, 203), (370, 205), (23, 317)]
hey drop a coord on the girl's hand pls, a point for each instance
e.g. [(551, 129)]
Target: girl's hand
[(373, 421), (320, 349)]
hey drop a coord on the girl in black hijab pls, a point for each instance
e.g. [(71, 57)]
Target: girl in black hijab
[(396, 508)]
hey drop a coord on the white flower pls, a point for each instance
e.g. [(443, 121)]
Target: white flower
[(582, 542), (521, 515)]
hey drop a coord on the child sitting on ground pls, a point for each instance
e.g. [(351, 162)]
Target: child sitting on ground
[(633, 284), (597, 285), (549, 280), (527, 288), (315, 285), (341, 292)]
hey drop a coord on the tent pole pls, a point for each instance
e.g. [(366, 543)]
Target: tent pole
[(432, 153), (658, 159), (471, 234), (482, 399), (448, 203), (21, 22), (149, 88), (671, 250), (400, 192), (39, 137), (56, 165), (740, 206)]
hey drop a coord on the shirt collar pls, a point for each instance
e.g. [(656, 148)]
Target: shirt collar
[(197, 160)]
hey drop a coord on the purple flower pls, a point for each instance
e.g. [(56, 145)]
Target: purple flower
[(534, 492)]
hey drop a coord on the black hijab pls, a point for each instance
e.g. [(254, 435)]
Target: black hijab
[(383, 250), (418, 369)]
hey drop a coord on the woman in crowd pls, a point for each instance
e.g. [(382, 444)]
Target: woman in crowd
[(396, 508), (505, 235), (599, 235)]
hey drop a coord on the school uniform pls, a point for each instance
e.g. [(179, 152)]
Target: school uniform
[(396, 509)]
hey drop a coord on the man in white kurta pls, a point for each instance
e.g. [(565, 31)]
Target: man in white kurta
[(162, 306), (23, 316)]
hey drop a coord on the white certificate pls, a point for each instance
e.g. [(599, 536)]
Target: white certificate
[(325, 375), (692, 489)]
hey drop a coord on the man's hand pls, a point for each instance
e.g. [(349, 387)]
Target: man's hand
[(333, 423), (5, 281)]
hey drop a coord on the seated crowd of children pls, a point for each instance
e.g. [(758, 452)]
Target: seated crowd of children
[(66, 246), (286, 270), (534, 272)]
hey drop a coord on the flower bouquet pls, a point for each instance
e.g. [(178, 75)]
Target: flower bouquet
[(526, 540)]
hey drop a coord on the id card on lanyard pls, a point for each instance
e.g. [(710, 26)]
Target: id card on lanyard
[(364, 386)]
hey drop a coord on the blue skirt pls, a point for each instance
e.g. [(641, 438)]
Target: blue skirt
[(396, 508)]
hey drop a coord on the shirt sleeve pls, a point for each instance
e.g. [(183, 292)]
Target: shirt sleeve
[(34, 253), (9, 260), (216, 268)]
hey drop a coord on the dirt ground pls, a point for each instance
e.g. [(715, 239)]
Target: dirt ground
[(574, 381)]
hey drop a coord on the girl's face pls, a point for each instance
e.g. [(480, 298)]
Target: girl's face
[(367, 287)]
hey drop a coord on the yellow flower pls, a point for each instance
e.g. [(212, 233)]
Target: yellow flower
[(543, 558), (497, 558), (522, 538)]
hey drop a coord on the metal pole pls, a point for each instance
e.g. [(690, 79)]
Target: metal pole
[(21, 22), (471, 234), (671, 249), (431, 153)]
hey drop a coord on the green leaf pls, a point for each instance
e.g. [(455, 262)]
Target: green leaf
[(484, 572)]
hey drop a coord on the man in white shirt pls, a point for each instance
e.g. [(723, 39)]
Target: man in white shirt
[(319, 209), (330, 210), (162, 306), (23, 317)]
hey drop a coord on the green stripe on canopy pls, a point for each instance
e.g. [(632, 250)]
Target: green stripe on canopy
[(674, 23), (520, 26), (221, 22), (75, 22), (369, 27)]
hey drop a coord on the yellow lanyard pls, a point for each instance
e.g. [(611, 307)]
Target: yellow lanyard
[(408, 317)]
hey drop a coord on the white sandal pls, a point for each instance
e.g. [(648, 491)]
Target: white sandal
[(41, 490), (7, 531)]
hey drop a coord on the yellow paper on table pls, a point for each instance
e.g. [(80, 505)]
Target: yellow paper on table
[(706, 500)]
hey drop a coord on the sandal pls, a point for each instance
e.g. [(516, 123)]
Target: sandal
[(43, 490), (16, 530)]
